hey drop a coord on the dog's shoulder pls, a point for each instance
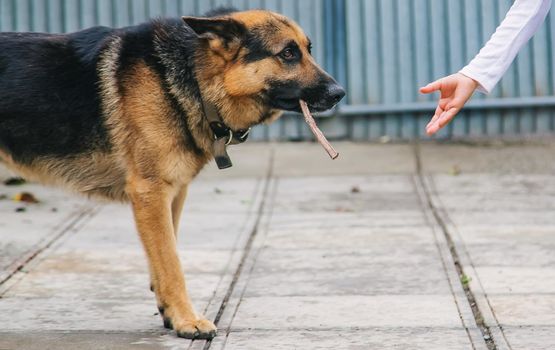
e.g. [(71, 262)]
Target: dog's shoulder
[(89, 43)]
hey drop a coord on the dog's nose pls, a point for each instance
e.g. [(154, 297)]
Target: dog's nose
[(335, 93)]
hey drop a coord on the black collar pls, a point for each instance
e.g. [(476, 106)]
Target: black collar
[(223, 135), (221, 131)]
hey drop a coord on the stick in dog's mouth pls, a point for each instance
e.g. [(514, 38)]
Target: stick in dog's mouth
[(316, 131)]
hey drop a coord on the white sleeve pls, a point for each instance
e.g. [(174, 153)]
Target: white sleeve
[(522, 21)]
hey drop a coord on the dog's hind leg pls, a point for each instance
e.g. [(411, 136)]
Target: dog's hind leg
[(177, 209), (152, 207)]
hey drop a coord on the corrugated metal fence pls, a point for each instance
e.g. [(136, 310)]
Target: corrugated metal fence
[(381, 50)]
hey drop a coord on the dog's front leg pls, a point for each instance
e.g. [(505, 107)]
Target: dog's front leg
[(152, 207), (177, 208)]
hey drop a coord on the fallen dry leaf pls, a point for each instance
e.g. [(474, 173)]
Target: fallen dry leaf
[(25, 197), (344, 210), (455, 170)]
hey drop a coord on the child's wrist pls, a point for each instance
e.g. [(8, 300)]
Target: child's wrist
[(473, 82)]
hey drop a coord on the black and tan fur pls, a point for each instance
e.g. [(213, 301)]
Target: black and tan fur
[(117, 114)]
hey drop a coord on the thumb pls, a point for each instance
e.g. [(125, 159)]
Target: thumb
[(431, 87)]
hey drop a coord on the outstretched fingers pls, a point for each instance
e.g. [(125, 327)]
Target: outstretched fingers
[(444, 119), (439, 111)]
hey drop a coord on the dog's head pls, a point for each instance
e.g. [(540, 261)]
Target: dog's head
[(261, 60)]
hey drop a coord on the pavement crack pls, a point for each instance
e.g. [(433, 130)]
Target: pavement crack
[(478, 317), (248, 246), (74, 220)]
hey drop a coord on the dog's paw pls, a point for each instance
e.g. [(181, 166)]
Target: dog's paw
[(198, 329)]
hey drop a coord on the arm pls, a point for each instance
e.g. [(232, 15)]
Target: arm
[(522, 21), (487, 68)]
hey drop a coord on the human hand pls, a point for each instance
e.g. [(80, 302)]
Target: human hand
[(455, 90)]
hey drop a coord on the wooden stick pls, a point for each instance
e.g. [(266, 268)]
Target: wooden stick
[(316, 131)]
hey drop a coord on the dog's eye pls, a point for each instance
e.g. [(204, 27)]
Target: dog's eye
[(288, 54)]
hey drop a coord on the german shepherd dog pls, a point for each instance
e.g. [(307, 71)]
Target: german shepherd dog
[(122, 114)]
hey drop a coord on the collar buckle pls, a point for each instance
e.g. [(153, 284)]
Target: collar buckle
[(230, 138), (223, 135)]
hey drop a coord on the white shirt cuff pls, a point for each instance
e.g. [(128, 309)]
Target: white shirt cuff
[(484, 85)]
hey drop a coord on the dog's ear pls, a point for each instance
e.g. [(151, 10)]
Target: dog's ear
[(223, 34)]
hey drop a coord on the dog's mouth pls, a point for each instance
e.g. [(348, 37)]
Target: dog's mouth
[(291, 104), (319, 98), (286, 104)]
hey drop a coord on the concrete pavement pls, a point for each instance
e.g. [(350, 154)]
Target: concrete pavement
[(289, 250)]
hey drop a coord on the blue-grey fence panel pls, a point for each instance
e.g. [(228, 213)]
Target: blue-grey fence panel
[(418, 41), (381, 50)]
